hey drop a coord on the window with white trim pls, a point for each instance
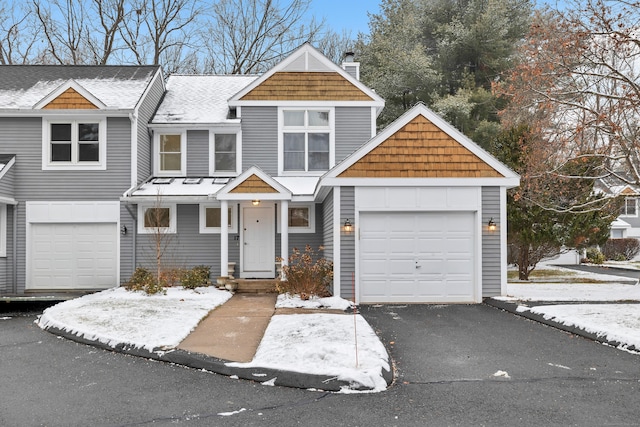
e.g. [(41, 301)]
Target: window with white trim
[(210, 216), (225, 154), (630, 207), (74, 144), (154, 219), (171, 155), (301, 218), (306, 140)]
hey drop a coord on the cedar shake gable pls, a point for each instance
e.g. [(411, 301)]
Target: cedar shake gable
[(70, 99), (254, 184), (420, 149), (306, 86)]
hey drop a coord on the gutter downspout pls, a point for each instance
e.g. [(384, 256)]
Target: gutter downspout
[(134, 235)]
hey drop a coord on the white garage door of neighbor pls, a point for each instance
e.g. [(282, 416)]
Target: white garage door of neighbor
[(416, 257), (73, 256)]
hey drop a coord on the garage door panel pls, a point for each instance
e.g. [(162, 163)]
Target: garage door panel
[(440, 244), (73, 256)]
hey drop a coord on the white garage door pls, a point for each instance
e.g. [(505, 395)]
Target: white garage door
[(73, 256), (417, 257)]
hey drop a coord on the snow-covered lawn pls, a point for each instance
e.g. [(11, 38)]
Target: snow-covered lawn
[(337, 345), (614, 322), (618, 322), (315, 343), (117, 316)]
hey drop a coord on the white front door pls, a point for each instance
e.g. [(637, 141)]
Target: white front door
[(258, 242)]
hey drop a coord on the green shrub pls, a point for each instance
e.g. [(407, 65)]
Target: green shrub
[(594, 256), (304, 276), (621, 249), (196, 277), (143, 280)]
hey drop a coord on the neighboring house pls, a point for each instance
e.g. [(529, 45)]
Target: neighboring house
[(237, 171), (627, 225)]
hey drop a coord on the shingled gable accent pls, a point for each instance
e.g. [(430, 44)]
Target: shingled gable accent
[(254, 184), (420, 150), (628, 191), (70, 96), (306, 86), (70, 99)]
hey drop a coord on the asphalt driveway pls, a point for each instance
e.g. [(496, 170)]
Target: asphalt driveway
[(454, 343), (445, 355)]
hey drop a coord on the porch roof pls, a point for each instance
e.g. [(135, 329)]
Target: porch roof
[(201, 189)]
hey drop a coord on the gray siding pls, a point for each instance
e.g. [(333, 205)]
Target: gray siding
[(347, 244), (23, 136), (145, 113), (187, 248), (301, 240), (7, 184), (260, 138), (490, 242), (128, 215), (197, 153), (327, 225), (353, 128)]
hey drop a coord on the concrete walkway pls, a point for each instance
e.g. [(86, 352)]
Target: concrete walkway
[(234, 330)]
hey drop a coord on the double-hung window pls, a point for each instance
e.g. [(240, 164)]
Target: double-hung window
[(171, 158), (630, 207), (306, 140), (225, 154), (76, 144)]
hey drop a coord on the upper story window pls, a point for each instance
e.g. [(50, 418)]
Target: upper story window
[(306, 140), (74, 144), (171, 158), (225, 154), (630, 207)]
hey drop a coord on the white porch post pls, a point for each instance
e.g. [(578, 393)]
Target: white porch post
[(224, 238), (284, 233)]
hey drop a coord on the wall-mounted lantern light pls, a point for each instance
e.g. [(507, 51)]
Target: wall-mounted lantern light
[(123, 230), (348, 227), (255, 202), (491, 225)]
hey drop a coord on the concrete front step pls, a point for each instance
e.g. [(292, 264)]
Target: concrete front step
[(256, 285)]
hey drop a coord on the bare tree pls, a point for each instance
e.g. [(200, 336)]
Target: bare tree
[(161, 31), (249, 36), (64, 29), (578, 85), (103, 38)]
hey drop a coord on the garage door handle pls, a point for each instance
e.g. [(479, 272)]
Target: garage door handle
[(418, 265)]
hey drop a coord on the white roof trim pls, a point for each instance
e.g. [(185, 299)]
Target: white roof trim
[(421, 109), (7, 166), (70, 84), (225, 192), (306, 50)]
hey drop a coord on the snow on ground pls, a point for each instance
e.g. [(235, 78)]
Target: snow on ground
[(294, 301), (117, 316), (615, 322), (571, 292), (337, 345)]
